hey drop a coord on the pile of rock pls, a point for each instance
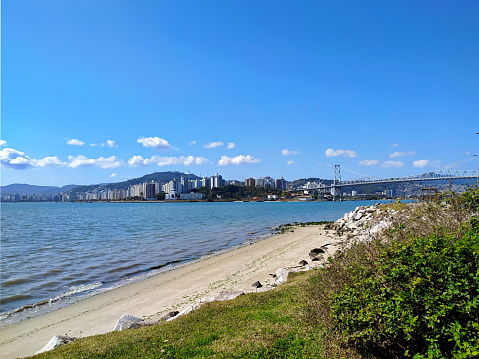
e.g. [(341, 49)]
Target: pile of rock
[(356, 220)]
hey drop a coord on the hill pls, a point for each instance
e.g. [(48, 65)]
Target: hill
[(302, 181), (156, 176), (28, 189)]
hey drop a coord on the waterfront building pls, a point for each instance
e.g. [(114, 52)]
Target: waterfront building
[(216, 181), (205, 182), (250, 182), (259, 182), (281, 183), (185, 184)]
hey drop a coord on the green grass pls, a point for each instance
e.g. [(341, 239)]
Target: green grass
[(259, 325)]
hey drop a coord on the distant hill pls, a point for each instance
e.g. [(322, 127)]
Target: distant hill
[(156, 176), (302, 181), (28, 189)]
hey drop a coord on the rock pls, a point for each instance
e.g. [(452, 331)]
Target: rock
[(170, 315), (281, 276), (56, 341), (127, 321), (316, 254), (302, 263), (218, 297), (256, 285), (228, 295), (186, 311)]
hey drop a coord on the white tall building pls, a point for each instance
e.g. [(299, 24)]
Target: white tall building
[(216, 181)]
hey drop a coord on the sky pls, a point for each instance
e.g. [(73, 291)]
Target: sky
[(104, 91)]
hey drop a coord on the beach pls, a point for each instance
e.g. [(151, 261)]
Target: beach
[(152, 298)]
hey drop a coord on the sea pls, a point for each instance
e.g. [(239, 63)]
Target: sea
[(53, 254)]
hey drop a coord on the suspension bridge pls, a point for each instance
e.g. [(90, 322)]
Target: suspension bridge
[(446, 173)]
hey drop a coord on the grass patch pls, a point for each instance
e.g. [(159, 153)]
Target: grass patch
[(260, 325)]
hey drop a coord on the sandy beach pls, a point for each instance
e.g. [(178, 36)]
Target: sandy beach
[(151, 298)]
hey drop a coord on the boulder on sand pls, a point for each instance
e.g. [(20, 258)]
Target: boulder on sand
[(55, 342)]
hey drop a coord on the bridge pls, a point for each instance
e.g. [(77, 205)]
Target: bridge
[(446, 173)]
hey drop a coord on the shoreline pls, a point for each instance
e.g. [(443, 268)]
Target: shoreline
[(151, 298), (25, 312)]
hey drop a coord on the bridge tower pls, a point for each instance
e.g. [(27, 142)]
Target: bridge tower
[(336, 190)]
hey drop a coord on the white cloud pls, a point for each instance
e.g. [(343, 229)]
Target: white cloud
[(231, 145), (291, 163), (11, 158), (182, 160), (395, 145), (192, 143), (238, 160), (113, 175), (214, 144), (389, 164), (136, 161), (426, 163), (102, 162), (421, 163), (334, 153), (109, 143), (155, 142), (7, 155), (3, 143), (401, 154), (14, 159), (48, 162), (286, 152), (75, 142), (368, 162)]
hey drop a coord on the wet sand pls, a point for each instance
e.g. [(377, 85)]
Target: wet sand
[(151, 298)]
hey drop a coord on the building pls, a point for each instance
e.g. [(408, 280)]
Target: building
[(205, 182), (216, 181), (250, 182), (281, 184)]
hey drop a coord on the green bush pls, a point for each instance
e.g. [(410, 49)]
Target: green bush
[(470, 199), (420, 298)]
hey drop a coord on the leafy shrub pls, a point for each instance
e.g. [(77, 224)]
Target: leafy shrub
[(470, 199), (419, 298)]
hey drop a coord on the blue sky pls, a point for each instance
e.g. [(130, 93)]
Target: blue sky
[(102, 91)]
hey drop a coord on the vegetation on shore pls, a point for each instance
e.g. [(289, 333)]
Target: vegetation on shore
[(412, 291)]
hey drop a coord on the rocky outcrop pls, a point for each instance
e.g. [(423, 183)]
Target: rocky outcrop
[(56, 341), (316, 254), (218, 297)]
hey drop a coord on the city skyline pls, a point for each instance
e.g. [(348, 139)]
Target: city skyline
[(98, 92)]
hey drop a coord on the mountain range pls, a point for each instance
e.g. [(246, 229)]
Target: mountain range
[(24, 189)]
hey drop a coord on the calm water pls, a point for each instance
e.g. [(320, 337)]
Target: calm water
[(53, 253)]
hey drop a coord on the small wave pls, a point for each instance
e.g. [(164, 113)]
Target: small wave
[(14, 298), (14, 282), (166, 264), (76, 289), (122, 268), (45, 248), (53, 271), (46, 285), (72, 291)]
